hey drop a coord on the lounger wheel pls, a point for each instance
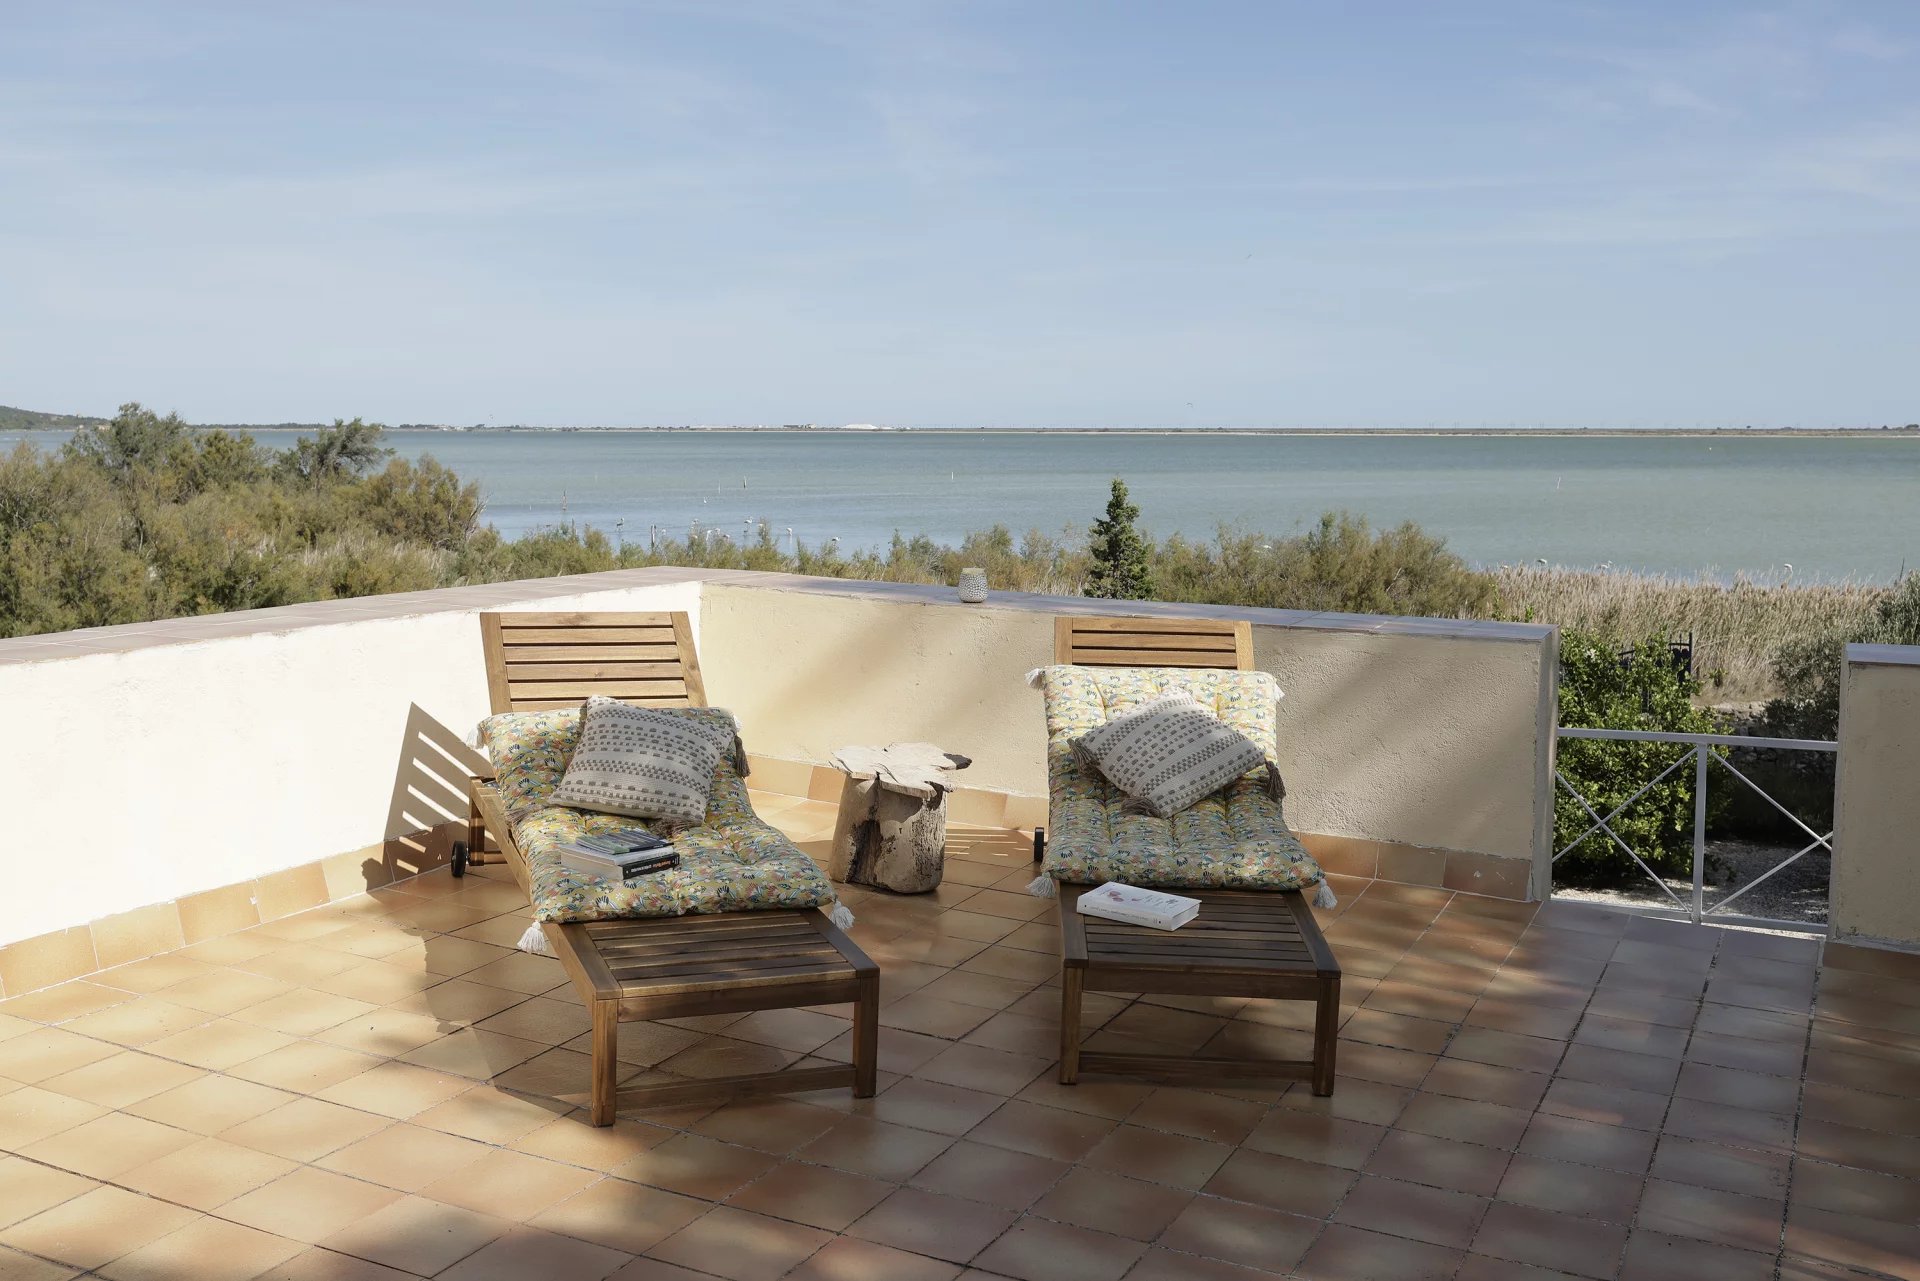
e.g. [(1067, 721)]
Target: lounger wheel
[(459, 858), (1039, 843)]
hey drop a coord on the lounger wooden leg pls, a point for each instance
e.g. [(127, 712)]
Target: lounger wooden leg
[(606, 1060), (1071, 984), (1326, 1035), (866, 1036)]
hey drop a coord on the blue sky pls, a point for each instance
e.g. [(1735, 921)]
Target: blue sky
[(1281, 212)]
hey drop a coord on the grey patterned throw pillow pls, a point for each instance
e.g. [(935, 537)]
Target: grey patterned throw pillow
[(642, 762), (1168, 753)]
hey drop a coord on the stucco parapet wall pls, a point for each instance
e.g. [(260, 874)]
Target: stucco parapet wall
[(531, 591), (1313, 620), (335, 613), (1884, 655)]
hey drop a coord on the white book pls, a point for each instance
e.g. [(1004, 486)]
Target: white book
[(1135, 906)]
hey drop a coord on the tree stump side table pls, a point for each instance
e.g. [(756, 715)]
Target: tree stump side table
[(891, 831)]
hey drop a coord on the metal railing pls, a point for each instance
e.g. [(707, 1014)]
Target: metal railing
[(1700, 752)]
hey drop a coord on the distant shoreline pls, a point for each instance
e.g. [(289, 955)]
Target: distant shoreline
[(1560, 433)]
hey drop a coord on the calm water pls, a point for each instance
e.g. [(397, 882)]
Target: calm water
[(1828, 507)]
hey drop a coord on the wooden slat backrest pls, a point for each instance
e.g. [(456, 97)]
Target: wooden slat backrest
[(1154, 642), (537, 661)]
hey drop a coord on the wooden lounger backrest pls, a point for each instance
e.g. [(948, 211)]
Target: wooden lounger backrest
[(1154, 642), (538, 661)]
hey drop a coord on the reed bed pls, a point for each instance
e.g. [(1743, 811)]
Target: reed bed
[(1736, 626)]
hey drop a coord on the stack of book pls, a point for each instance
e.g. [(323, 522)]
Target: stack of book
[(1135, 906), (624, 855)]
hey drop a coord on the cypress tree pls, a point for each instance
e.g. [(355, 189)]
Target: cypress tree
[(1120, 568)]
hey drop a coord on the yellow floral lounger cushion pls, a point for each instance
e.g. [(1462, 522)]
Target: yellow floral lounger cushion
[(732, 862), (1236, 838)]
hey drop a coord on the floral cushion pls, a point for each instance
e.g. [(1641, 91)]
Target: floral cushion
[(731, 862), (1236, 838)]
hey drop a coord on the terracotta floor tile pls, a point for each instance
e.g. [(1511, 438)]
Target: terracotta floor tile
[(26, 1189), (205, 1174), (621, 1215), (569, 1139), (121, 1079), (1320, 1139), (383, 1032), (1781, 1057), (741, 1246), (138, 1022), (528, 1254), (1433, 1215), (698, 1167), (978, 1067), (1720, 1123), (96, 1227), (1652, 1256), (63, 1001), (15, 1266), (1890, 1249), (305, 1067), (997, 1176), (931, 1016), (851, 1259), (219, 1044), (1112, 1203), (725, 1056), (46, 1052), (1345, 1253), (211, 1104), (489, 1115), (1837, 1105), (802, 1031), (1042, 1131), (308, 1205), (1438, 1162), (1524, 1234), (1355, 1100), (1506, 1049), (405, 1157), (1171, 1159), (398, 1090), (930, 1105), (303, 1130), (1817, 1185), (1466, 1120), (1036, 1250), (817, 1196), (1605, 1066), (30, 1114), (474, 1054), (1605, 1104), (1565, 1138), (302, 1012), (1704, 1214), (1198, 1114), (927, 1223), (1748, 1171), (415, 1234), (1281, 1183), (223, 991), (207, 1250), (510, 1185), (1112, 1099), (108, 1146), (1582, 1190), (1249, 1235)]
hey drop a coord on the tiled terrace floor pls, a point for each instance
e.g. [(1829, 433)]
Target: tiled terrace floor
[(366, 1091)]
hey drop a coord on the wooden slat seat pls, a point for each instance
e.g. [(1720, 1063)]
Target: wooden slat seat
[(1154, 642), (666, 967)]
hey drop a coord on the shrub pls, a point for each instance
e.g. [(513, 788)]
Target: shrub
[(1600, 688)]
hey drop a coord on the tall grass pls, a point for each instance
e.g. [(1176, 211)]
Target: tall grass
[(1737, 627)]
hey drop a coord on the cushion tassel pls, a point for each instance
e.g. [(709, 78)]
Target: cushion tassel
[(535, 941), (1043, 887), (1276, 786), (841, 915), (1323, 897), (739, 757)]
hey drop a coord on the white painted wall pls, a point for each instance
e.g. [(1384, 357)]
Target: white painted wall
[(165, 769), (1875, 894)]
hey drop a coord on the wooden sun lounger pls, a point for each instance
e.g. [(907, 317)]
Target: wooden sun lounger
[(667, 967), (1244, 943)]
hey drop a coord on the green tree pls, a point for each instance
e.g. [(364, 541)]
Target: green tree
[(340, 452), (134, 439), (1121, 567), (1644, 689)]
